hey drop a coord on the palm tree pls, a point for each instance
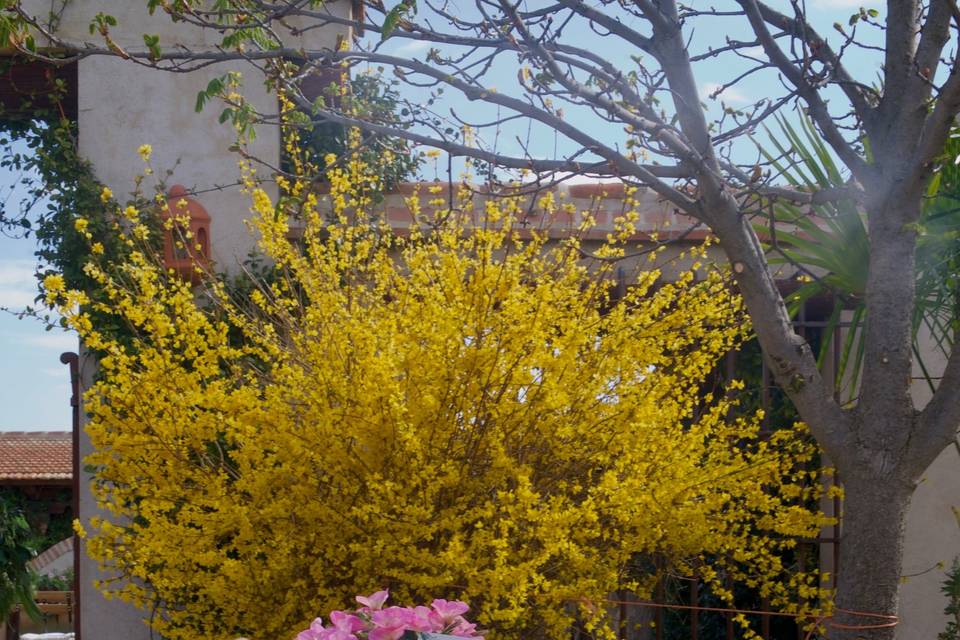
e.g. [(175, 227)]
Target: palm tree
[(829, 246)]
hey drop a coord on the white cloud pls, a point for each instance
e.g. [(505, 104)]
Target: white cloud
[(843, 4), (14, 299), (15, 271), (53, 340), (730, 94), (411, 47), (18, 286)]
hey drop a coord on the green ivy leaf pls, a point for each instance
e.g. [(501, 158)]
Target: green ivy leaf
[(393, 17)]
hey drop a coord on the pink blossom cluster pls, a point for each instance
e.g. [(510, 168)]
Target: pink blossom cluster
[(374, 622)]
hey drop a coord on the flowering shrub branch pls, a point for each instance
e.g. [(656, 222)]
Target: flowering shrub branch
[(462, 411)]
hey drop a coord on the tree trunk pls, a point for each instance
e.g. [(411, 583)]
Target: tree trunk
[(871, 556)]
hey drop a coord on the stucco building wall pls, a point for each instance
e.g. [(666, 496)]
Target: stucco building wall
[(122, 105), (933, 530)]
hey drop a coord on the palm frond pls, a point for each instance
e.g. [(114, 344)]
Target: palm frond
[(830, 243)]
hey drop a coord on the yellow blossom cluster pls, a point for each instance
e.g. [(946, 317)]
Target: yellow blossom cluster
[(462, 411)]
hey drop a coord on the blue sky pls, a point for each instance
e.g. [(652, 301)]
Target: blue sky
[(34, 386), (711, 73)]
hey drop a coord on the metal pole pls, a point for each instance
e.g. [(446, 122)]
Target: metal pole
[(695, 613), (73, 360), (658, 613), (729, 583), (765, 619)]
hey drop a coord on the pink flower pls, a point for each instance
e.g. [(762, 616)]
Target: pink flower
[(390, 623), (314, 632), (374, 602), (346, 622), (391, 617), (374, 622), (387, 633), (464, 629), (425, 619), (449, 611)]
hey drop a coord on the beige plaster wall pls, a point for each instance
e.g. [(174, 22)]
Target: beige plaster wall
[(134, 20), (933, 532), (932, 542), (122, 105), (932, 537)]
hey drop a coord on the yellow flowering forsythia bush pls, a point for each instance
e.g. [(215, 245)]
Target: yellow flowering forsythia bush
[(457, 412)]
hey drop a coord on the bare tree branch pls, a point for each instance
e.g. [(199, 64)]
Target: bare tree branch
[(862, 97), (940, 419), (901, 48), (611, 24), (817, 107), (791, 358)]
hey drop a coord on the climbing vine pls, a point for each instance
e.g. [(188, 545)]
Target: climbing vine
[(58, 201), (16, 579), (58, 189)]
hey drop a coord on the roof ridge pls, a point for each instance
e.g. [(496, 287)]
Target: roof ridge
[(36, 455)]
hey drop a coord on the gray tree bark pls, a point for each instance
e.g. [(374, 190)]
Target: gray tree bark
[(871, 554)]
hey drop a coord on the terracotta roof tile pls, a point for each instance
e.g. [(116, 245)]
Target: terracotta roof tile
[(36, 455)]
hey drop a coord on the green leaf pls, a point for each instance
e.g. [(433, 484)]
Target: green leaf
[(153, 44), (393, 17)]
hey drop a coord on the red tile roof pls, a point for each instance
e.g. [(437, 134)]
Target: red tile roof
[(36, 455)]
